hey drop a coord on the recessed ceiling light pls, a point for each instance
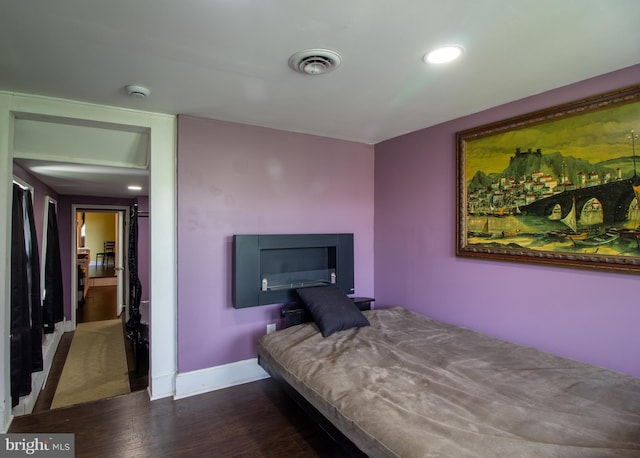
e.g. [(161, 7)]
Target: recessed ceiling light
[(134, 188), (443, 55)]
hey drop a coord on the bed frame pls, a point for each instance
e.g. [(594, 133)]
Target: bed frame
[(343, 441), (294, 314), (357, 416)]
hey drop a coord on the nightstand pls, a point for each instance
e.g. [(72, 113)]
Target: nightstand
[(363, 303)]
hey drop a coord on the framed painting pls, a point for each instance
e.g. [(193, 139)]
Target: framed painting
[(556, 186)]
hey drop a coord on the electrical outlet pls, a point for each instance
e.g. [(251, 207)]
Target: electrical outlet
[(271, 327)]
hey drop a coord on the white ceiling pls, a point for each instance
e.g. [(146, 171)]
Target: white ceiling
[(227, 59)]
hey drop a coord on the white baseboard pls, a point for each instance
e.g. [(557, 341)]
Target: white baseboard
[(218, 377), (39, 379), (161, 387)]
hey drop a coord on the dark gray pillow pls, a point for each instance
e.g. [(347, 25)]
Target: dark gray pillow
[(331, 309)]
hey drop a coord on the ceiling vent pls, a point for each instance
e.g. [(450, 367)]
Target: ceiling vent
[(314, 61)]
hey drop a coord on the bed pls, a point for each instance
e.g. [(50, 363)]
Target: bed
[(404, 385)]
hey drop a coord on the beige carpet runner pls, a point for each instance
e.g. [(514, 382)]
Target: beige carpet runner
[(96, 366)]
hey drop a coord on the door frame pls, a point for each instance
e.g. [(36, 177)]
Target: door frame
[(121, 261), (162, 128)]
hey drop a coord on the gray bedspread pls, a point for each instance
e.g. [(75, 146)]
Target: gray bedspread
[(409, 386)]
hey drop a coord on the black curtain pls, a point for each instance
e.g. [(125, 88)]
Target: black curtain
[(53, 308), (34, 286), (135, 287), (26, 311)]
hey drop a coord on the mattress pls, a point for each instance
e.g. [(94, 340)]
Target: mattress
[(410, 386)]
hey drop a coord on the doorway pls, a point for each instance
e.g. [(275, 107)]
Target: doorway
[(100, 293), (99, 243), (59, 115)]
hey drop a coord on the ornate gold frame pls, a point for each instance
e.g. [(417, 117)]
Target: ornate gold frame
[(488, 156)]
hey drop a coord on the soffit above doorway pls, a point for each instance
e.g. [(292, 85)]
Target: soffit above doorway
[(77, 157)]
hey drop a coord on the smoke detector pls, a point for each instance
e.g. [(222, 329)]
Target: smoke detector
[(314, 61), (138, 91)]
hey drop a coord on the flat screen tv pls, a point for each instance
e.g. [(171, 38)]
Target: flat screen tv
[(267, 269)]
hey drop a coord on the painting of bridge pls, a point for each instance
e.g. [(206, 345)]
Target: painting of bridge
[(615, 200), (557, 186)]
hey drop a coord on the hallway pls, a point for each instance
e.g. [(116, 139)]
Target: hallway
[(99, 305)]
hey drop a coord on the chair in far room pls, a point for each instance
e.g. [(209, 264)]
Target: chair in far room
[(108, 253)]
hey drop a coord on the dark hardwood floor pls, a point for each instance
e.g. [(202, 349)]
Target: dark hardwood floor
[(254, 420), (45, 398), (98, 269), (100, 304)]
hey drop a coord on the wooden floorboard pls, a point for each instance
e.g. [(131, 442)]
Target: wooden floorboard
[(45, 397), (100, 304), (256, 419)]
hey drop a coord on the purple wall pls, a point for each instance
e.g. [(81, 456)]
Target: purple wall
[(239, 179), (585, 315)]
